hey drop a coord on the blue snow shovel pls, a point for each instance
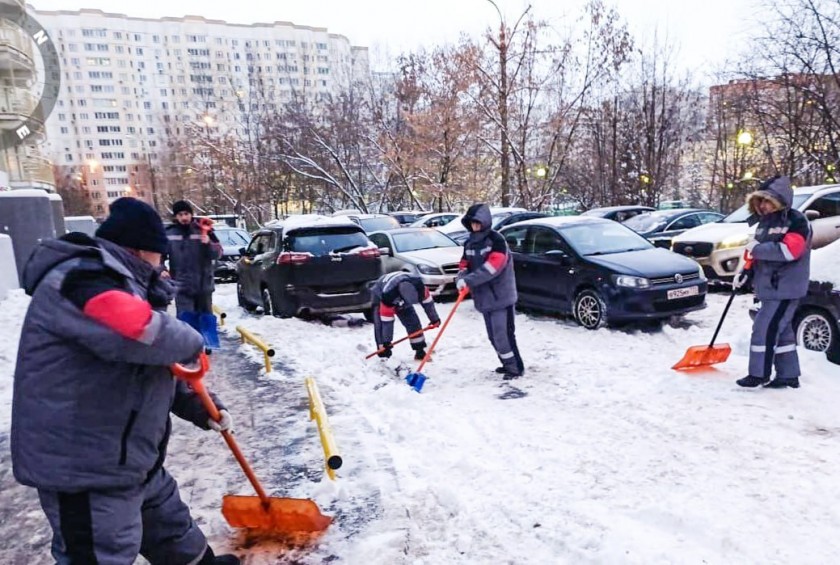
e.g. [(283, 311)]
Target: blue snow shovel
[(205, 324), (416, 379)]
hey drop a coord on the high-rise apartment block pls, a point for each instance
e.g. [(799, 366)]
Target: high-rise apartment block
[(130, 85)]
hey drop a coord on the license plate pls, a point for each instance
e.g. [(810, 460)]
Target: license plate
[(683, 292)]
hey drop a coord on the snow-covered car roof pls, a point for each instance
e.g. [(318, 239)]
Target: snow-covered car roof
[(310, 220)]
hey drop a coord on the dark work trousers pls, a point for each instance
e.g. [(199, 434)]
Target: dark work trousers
[(201, 304), (773, 340), (501, 330), (112, 527), (408, 318)]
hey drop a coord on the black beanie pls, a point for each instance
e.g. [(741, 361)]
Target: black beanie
[(181, 206), (134, 224)]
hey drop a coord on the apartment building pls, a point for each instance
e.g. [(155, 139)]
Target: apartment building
[(130, 85), (24, 165)]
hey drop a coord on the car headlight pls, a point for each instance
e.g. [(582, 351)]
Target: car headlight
[(733, 242), (428, 270), (631, 282), (701, 272)]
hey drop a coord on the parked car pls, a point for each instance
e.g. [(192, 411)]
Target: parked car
[(423, 251), (816, 321), (600, 271), (84, 224), (517, 217), (308, 265), (232, 240), (618, 213), (660, 226), (434, 220), (456, 230), (408, 217), (374, 222), (719, 247)]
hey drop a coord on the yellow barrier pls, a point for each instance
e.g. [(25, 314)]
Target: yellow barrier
[(268, 352), (218, 312), (319, 414)]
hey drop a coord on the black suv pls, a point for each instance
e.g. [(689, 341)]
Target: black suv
[(308, 265)]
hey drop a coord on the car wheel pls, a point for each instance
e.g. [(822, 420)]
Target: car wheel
[(590, 310), (815, 331), (240, 299), (268, 303)]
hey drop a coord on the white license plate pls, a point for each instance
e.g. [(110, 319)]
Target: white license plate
[(683, 292)]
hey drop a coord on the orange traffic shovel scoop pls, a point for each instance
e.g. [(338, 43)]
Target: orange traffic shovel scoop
[(704, 355), (285, 516)]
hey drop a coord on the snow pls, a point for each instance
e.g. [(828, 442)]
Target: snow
[(12, 312), (24, 193), (310, 220), (606, 456), (825, 264)]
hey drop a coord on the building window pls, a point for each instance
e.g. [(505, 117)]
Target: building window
[(65, 130)]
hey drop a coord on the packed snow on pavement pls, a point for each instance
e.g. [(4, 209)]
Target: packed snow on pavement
[(599, 454)]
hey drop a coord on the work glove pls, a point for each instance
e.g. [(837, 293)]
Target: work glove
[(742, 278), (386, 352), (225, 425), (434, 324), (460, 284), (750, 245)]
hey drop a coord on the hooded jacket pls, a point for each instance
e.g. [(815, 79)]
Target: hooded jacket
[(782, 258), (190, 260), (397, 291), (92, 387), (487, 265)]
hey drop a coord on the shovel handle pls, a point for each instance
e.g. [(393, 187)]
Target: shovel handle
[(461, 295), (194, 377), (409, 336)]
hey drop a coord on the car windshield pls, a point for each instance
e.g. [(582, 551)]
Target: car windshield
[(742, 214), (320, 241), (603, 239), (378, 224), (232, 237), (646, 223), (418, 240)]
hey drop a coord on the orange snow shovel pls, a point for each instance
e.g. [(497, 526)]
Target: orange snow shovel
[(402, 339), (284, 516), (705, 355)]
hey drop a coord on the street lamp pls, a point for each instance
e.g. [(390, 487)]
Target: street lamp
[(744, 138), (541, 172)]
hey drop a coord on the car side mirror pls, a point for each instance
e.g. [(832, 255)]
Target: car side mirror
[(812, 214), (385, 251), (243, 251), (559, 255)]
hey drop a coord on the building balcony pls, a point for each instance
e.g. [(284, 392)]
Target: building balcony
[(16, 51), (30, 171), (16, 105)]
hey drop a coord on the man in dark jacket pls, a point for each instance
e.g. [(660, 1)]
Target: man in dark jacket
[(780, 272), (487, 270), (192, 250), (93, 392), (396, 294)]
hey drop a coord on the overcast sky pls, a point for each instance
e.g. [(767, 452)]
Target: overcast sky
[(706, 31)]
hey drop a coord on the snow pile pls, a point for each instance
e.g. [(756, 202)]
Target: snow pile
[(825, 264)]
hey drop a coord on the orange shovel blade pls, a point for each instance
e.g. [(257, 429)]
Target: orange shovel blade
[(282, 516), (703, 355)]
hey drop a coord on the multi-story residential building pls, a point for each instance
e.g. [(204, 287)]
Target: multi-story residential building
[(130, 85), (23, 165)]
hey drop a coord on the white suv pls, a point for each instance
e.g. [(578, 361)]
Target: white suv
[(719, 247)]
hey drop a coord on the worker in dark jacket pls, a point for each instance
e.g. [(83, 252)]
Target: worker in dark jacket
[(93, 392), (779, 273), (192, 249), (396, 294), (487, 271)]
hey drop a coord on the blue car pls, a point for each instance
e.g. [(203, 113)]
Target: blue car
[(600, 272)]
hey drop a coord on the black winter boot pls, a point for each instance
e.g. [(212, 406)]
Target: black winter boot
[(501, 370), (419, 354), (783, 383), (751, 382), (210, 558)]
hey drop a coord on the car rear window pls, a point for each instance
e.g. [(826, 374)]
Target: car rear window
[(322, 241), (379, 224)]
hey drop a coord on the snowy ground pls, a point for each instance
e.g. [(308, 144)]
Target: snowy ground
[(600, 454)]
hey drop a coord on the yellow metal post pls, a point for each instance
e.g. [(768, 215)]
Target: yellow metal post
[(318, 413), (218, 312), (268, 352)]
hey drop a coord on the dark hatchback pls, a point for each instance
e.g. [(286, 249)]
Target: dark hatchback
[(660, 226), (600, 272), (309, 265), (618, 213)]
